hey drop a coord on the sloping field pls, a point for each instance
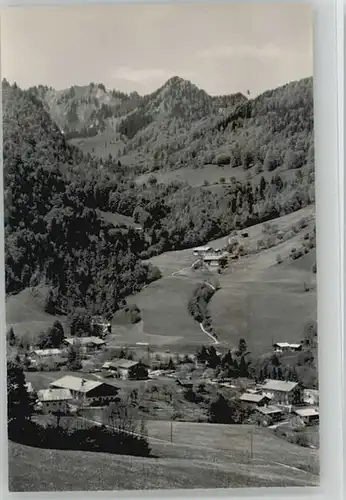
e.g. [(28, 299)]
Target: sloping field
[(231, 442), (259, 299), (262, 313), (171, 262), (101, 145), (163, 306), (25, 313), (115, 219), (214, 459)]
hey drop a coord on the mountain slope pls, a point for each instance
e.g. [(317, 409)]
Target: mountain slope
[(158, 122), (84, 111), (53, 233), (274, 130)]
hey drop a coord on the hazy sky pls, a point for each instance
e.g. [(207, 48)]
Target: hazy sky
[(222, 48)]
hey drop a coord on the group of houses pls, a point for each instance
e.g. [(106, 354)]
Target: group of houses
[(72, 391), (210, 256), (87, 345), (274, 400)]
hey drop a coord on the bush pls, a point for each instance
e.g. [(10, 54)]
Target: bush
[(222, 159), (98, 439), (198, 304), (154, 273), (301, 439)]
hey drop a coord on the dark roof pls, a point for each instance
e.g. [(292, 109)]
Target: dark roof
[(269, 410), (252, 398), (184, 382), (126, 364)]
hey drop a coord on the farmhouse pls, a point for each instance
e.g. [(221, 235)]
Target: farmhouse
[(127, 369), (201, 250), (187, 384), (308, 415), (254, 399), (47, 353), (87, 392), (283, 392), (54, 400), (269, 415), (87, 344), (213, 260), (285, 347), (311, 396)]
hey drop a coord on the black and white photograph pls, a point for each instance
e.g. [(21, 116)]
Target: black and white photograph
[(160, 246)]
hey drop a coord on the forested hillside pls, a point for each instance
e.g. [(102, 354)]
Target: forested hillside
[(54, 234), (181, 125)]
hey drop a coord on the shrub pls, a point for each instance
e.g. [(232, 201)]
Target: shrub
[(152, 180), (154, 273), (222, 159), (301, 439)]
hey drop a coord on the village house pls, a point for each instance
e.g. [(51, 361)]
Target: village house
[(308, 416), (87, 392), (253, 399), (269, 415), (127, 369), (213, 260), (185, 383), (54, 400), (311, 397), (87, 344), (286, 347), (283, 392), (201, 250), (40, 354)]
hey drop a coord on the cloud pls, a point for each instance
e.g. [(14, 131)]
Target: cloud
[(227, 51), (140, 75)]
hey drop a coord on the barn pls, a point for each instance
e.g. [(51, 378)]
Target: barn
[(87, 392)]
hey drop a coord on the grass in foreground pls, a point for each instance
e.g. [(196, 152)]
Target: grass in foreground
[(33, 469)]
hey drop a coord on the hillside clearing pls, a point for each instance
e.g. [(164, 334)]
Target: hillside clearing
[(25, 313), (163, 306)]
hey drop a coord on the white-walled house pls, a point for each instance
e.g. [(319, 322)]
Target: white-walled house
[(308, 415), (54, 400), (283, 392)]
